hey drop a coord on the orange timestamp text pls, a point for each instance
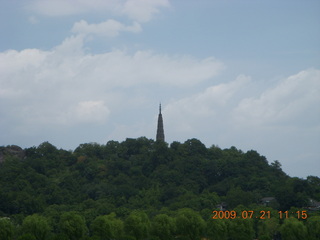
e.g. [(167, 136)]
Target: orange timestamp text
[(257, 214)]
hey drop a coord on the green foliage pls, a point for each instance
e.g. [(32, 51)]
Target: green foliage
[(314, 183), (37, 226), (240, 229), (269, 227), (27, 236), (107, 227), (73, 226), (313, 227), (237, 196), (217, 229), (190, 224), (292, 192), (143, 174), (6, 229), (76, 189), (163, 227), (137, 225), (293, 229)]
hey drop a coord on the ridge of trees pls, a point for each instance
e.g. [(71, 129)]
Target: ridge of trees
[(145, 189)]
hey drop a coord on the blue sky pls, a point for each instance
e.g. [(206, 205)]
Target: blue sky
[(230, 73)]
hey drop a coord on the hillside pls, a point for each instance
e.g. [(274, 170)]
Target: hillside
[(146, 176)]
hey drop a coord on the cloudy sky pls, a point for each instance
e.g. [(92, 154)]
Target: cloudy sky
[(229, 73)]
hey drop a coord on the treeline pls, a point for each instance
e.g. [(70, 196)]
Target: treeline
[(183, 224), (152, 180)]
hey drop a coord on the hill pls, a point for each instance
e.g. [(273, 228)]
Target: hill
[(143, 175)]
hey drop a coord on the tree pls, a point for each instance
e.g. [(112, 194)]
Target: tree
[(291, 194), (217, 229), (163, 227), (313, 226), (27, 236), (137, 225), (6, 229), (240, 229), (93, 150), (190, 224), (36, 226), (237, 196), (268, 227), (47, 149), (73, 225), (107, 227), (293, 229), (194, 147)]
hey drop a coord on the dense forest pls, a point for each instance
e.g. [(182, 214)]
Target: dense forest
[(145, 189)]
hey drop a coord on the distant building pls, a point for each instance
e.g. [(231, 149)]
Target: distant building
[(160, 131), (222, 206), (266, 201), (313, 205)]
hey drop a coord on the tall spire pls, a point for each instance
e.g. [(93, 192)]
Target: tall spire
[(160, 131)]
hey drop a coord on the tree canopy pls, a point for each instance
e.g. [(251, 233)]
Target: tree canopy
[(141, 188)]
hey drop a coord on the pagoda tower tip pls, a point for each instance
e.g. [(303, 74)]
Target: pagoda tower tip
[(160, 131)]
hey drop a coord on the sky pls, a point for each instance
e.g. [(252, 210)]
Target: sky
[(243, 73)]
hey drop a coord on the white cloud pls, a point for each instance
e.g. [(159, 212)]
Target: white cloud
[(291, 101), (72, 95), (67, 86), (181, 71), (210, 107), (72, 7), (143, 10), (137, 10), (12, 60), (92, 111), (110, 28), (70, 48), (33, 19), (238, 107)]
